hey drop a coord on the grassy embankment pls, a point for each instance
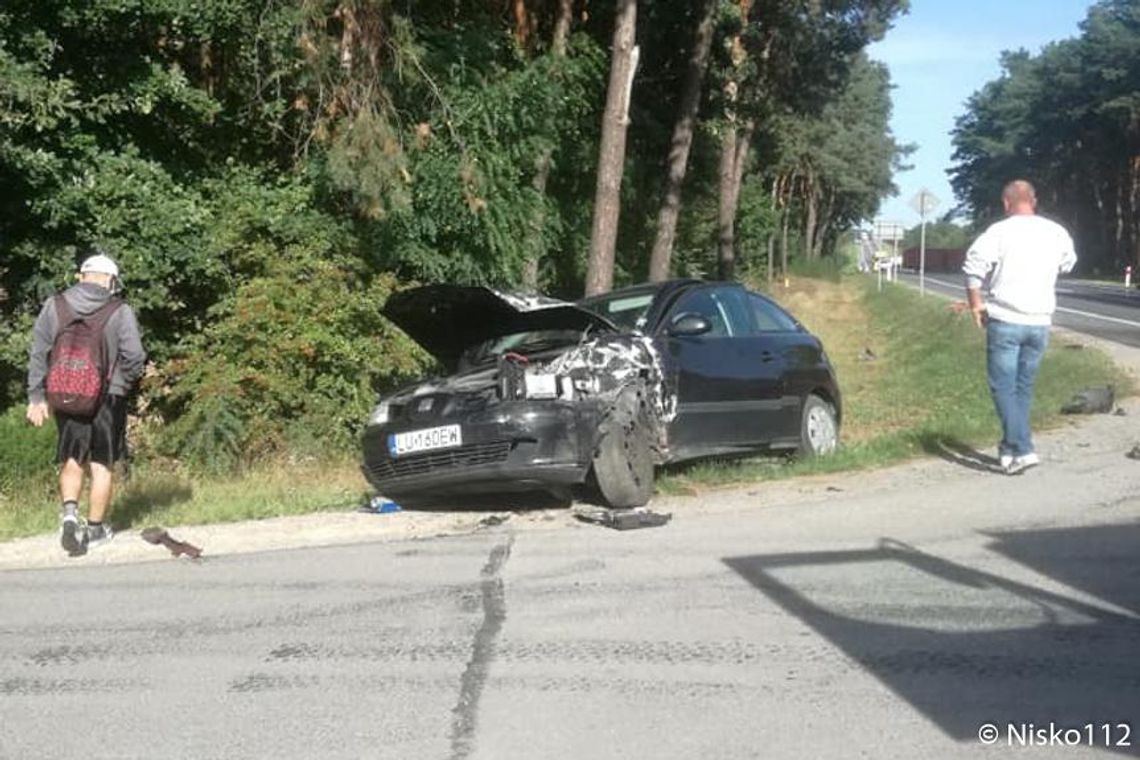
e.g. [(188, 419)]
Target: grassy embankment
[(926, 388), (926, 385)]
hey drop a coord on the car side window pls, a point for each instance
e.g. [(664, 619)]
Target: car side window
[(734, 302), (718, 306), (770, 317)]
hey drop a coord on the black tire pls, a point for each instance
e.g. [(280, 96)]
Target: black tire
[(623, 457), (819, 430)]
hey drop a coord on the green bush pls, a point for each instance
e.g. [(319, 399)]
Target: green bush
[(27, 457), (293, 356)]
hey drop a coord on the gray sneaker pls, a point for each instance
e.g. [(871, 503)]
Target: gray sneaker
[(73, 535), (99, 534)]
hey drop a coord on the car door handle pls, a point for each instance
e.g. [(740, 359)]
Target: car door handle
[(767, 356)]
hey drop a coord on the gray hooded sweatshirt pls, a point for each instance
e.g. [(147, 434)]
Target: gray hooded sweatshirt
[(123, 341)]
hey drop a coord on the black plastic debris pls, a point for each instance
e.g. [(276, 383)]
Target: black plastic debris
[(1135, 453), (1091, 401), (491, 521), (623, 519)]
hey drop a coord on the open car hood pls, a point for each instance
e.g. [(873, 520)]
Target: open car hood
[(448, 319)]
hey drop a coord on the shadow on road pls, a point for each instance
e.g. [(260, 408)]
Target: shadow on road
[(488, 502), (140, 498), (966, 647), (956, 452), (1101, 560)]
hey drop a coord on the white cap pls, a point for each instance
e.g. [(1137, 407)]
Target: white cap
[(99, 264)]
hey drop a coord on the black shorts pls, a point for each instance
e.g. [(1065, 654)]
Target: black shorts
[(102, 438)]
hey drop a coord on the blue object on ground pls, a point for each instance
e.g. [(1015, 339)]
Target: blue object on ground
[(382, 506)]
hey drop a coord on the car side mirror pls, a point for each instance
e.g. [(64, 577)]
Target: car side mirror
[(689, 325)]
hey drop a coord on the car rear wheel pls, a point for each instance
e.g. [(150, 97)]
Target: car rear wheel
[(623, 457), (819, 430)]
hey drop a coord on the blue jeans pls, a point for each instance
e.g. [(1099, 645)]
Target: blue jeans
[(1013, 354)]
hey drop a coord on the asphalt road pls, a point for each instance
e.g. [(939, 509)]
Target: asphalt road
[(1104, 310), (886, 615)]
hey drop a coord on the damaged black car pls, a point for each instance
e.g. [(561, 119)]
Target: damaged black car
[(546, 395)]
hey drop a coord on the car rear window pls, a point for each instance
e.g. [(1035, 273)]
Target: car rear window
[(623, 311)]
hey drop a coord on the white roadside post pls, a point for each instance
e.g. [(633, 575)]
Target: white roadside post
[(1128, 276), (924, 203), (889, 233)]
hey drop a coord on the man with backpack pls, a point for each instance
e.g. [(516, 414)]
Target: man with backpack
[(86, 356)]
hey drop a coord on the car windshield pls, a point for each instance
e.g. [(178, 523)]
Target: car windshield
[(525, 343), (625, 311)]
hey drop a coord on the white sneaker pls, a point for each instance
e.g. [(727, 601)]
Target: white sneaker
[(1022, 463), (1006, 461)]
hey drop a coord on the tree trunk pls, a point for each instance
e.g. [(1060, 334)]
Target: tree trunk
[(743, 146), (733, 158), (811, 210), (534, 246), (726, 256), (1133, 257), (680, 145), (562, 27), (771, 256), (823, 225), (611, 154), (522, 23), (784, 233)]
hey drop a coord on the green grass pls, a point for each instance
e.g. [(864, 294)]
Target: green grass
[(157, 495), (26, 473), (927, 388)]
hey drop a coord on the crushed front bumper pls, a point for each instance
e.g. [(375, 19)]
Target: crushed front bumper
[(511, 446)]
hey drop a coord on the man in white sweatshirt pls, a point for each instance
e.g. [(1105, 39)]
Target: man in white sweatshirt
[(1011, 271)]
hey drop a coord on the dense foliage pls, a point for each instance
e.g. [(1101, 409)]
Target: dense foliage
[(267, 172), (1067, 119)]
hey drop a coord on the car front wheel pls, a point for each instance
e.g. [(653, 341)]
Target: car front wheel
[(623, 458), (819, 430)]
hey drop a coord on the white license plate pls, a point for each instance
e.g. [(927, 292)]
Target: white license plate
[(445, 437)]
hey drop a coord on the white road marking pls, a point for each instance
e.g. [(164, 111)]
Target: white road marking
[(1064, 309)]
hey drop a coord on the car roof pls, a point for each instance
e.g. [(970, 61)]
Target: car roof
[(657, 288)]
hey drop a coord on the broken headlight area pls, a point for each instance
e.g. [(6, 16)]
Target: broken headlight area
[(519, 379), (594, 372), (379, 414), (604, 367)]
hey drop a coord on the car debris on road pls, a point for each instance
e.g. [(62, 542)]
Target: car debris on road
[(1091, 401), (156, 535), (623, 519)]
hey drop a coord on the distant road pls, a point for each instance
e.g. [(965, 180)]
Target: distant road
[(1101, 310)]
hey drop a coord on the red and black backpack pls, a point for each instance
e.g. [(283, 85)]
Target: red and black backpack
[(77, 366)]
